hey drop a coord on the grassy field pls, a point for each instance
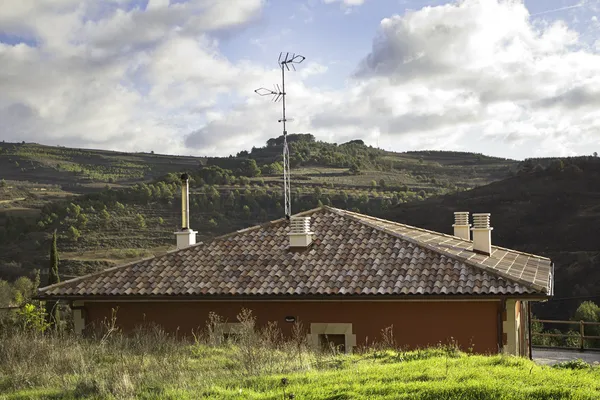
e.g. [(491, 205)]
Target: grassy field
[(152, 366)]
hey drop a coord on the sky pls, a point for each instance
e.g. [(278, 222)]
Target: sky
[(508, 78)]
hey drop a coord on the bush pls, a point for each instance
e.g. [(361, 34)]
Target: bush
[(73, 233), (572, 364), (140, 221)]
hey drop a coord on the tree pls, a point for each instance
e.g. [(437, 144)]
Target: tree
[(2, 183), (105, 215), (556, 166), (354, 169), (589, 311), (6, 294), (230, 200), (23, 290), (318, 192), (82, 219), (249, 168), (74, 210), (140, 221), (52, 315), (595, 154), (344, 197), (73, 233), (382, 183)]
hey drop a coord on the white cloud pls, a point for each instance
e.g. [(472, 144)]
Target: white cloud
[(346, 2), (454, 76), (313, 68), (473, 73), (114, 76)]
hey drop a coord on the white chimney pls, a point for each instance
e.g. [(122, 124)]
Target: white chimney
[(482, 234), (300, 234), (186, 237), (461, 225)]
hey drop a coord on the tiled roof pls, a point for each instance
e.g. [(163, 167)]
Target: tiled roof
[(352, 255)]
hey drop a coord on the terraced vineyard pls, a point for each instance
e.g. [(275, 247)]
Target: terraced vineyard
[(84, 170), (110, 207)]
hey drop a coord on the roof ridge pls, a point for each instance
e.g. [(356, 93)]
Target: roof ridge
[(136, 262), (266, 224), (493, 271)]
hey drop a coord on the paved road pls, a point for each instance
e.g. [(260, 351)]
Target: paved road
[(549, 357)]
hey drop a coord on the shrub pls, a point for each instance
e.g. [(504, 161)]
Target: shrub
[(32, 318), (73, 233), (572, 364), (140, 221)]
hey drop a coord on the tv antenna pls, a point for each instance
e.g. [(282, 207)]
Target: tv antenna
[(285, 61)]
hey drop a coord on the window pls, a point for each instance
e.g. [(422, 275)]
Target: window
[(338, 335), (228, 331), (333, 342)]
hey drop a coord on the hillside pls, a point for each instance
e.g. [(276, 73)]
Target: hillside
[(109, 207), (552, 211), (84, 170)]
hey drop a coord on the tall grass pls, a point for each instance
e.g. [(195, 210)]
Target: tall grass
[(151, 364), (110, 363)]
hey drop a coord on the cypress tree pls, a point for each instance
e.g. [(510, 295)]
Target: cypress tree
[(52, 306)]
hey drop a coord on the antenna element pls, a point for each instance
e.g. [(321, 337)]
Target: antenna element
[(285, 61)]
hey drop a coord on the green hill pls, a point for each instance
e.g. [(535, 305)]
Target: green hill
[(83, 170), (110, 206)]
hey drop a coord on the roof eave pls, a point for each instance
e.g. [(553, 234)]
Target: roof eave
[(346, 297)]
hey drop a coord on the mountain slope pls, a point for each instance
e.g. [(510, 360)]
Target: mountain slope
[(109, 206)]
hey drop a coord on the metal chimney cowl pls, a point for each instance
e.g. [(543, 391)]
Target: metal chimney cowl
[(186, 236)]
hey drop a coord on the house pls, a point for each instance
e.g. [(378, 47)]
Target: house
[(344, 275)]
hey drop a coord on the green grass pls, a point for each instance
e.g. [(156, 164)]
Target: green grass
[(153, 366)]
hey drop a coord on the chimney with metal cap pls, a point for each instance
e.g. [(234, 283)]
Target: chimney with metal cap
[(300, 234), (461, 225), (482, 234), (186, 237)]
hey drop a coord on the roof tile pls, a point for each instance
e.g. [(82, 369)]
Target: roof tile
[(354, 255)]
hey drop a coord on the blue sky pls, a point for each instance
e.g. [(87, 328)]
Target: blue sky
[(506, 78)]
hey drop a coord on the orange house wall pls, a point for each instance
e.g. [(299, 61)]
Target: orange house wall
[(415, 324)]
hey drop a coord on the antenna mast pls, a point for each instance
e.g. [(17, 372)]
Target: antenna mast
[(284, 62)]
